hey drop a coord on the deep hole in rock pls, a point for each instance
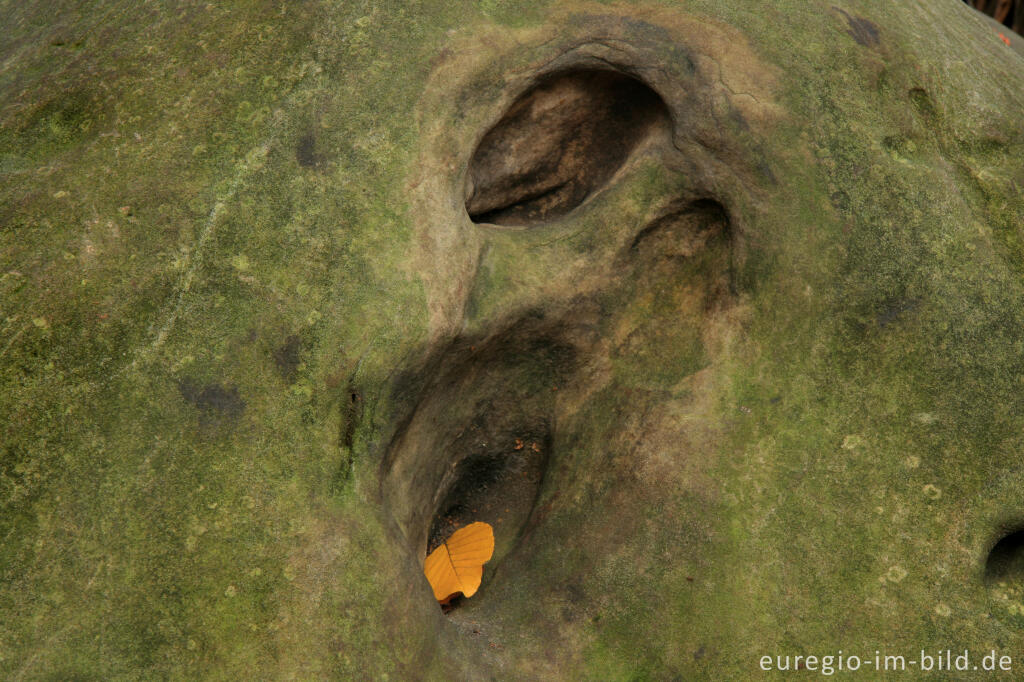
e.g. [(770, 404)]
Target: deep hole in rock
[(1005, 561), (562, 140), (478, 441)]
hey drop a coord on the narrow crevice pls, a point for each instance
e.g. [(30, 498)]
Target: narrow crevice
[(350, 414), (522, 205)]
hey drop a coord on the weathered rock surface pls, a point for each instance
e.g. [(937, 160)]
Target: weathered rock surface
[(712, 309)]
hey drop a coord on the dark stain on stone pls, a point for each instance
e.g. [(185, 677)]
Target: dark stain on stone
[(305, 151), (738, 120), (575, 593), (840, 200), (923, 103), (12, 468), (766, 172), (656, 35), (865, 32), (212, 399), (440, 58), (62, 119), (62, 42), (894, 309), (897, 144), (287, 357)]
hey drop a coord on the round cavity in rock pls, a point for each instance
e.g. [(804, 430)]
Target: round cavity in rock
[(562, 140), (1005, 562)]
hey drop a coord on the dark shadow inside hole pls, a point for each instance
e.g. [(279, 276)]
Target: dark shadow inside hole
[(497, 485), (558, 143), (1006, 560), (453, 603)]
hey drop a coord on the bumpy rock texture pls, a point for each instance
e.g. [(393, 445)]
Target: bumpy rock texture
[(712, 309)]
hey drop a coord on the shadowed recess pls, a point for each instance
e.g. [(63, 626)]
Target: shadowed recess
[(683, 231), (1006, 560), (557, 144), (478, 442), (498, 481)]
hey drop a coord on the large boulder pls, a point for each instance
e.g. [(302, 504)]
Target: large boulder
[(713, 310)]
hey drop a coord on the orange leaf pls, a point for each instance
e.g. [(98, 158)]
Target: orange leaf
[(457, 565)]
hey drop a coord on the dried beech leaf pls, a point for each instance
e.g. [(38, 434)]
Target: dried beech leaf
[(457, 564)]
